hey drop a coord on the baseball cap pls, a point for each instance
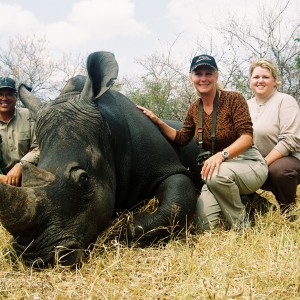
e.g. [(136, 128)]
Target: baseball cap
[(7, 82), (203, 60)]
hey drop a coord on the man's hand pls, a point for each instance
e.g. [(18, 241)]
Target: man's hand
[(2, 178), (14, 176)]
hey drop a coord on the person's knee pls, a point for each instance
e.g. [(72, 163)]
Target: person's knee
[(218, 182), (207, 214), (282, 175)]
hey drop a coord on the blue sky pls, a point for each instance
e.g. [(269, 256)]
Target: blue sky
[(131, 29)]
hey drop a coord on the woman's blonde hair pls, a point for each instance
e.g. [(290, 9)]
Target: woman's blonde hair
[(266, 64)]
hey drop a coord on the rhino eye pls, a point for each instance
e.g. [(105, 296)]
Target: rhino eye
[(81, 177)]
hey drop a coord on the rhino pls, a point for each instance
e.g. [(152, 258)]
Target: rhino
[(98, 154)]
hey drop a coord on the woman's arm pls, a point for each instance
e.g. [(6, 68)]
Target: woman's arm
[(237, 147), (240, 145), (272, 156), (167, 130)]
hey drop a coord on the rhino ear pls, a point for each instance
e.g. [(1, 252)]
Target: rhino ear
[(102, 69), (33, 103), (75, 84)]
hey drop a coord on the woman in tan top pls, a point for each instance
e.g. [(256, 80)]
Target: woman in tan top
[(276, 124), (236, 167)]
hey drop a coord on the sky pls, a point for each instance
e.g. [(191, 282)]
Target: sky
[(131, 29)]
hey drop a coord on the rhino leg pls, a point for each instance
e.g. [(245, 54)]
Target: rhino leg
[(177, 201)]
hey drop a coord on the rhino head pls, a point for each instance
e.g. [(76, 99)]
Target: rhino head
[(65, 183)]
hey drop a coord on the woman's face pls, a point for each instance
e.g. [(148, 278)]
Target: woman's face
[(262, 83), (204, 79)]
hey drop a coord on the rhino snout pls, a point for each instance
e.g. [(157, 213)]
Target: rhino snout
[(70, 256)]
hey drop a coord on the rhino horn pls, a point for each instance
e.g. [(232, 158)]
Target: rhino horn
[(17, 208), (33, 103), (74, 84), (102, 69), (18, 204), (36, 177)]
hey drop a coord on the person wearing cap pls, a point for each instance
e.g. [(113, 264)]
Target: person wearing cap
[(235, 166), (276, 125), (17, 130)]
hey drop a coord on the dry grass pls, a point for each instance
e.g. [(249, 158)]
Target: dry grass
[(261, 263)]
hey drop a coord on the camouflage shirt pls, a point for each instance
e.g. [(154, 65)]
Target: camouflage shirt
[(233, 120)]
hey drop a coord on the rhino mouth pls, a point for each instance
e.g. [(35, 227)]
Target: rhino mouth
[(39, 239), (67, 254), (70, 256)]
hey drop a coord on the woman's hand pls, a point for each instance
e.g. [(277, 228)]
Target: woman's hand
[(167, 130), (211, 165), (149, 114)]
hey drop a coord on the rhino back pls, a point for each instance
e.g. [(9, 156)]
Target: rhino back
[(188, 155), (143, 157)]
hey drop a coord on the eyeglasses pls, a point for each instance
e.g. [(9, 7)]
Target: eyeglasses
[(7, 95)]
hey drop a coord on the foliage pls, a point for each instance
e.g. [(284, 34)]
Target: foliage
[(270, 36), (163, 88), (298, 56), (28, 59)]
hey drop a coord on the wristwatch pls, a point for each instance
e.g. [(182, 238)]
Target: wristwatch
[(21, 162), (225, 154)]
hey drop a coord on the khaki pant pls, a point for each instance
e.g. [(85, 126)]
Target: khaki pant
[(221, 193)]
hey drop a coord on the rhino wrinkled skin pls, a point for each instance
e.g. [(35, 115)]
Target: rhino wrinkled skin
[(99, 154)]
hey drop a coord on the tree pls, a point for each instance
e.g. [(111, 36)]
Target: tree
[(270, 36), (164, 88), (28, 60), (298, 56)]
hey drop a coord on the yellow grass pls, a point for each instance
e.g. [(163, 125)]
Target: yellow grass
[(261, 263)]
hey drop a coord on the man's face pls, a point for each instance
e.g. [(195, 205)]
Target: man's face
[(8, 100)]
